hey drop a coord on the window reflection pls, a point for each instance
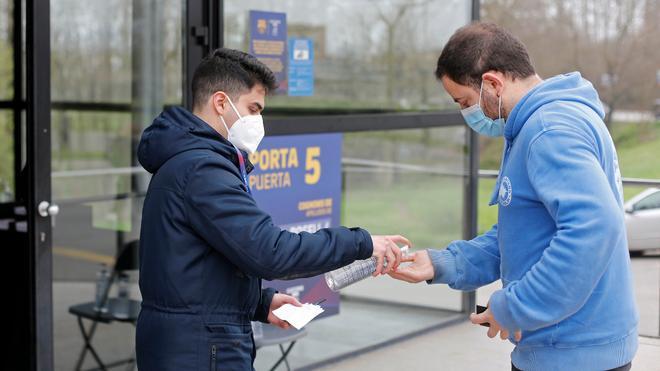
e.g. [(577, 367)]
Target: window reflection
[(368, 54)]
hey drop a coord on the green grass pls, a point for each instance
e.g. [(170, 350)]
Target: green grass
[(426, 209), (6, 154), (487, 214), (639, 156), (638, 146)]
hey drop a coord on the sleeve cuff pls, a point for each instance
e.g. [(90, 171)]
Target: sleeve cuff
[(365, 247), (444, 266), (501, 311), (263, 308)]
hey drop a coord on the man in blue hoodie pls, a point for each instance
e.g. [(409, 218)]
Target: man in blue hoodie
[(559, 246), (205, 245)]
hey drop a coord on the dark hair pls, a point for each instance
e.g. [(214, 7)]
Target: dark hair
[(481, 47), (231, 71)]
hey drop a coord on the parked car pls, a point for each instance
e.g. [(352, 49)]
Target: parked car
[(643, 221)]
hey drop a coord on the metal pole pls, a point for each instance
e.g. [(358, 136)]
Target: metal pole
[(204, 32), (146, 96), (471, 193)]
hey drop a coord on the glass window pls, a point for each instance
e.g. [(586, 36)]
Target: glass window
[(6, 156), (115, 65), (395, 182), (93, 49), (649, 202), (87, 149), (6, 50), (367, 54), (378, 56), (410, 179)]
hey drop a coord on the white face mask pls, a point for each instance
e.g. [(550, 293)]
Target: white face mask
[(247, 132)]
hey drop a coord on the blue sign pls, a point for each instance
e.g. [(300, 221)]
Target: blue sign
[(268, 38), (301, 67), (297, 180)]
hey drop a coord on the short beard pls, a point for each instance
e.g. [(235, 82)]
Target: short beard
[(490, 105)]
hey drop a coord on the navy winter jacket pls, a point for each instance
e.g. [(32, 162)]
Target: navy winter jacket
[(205, 245)]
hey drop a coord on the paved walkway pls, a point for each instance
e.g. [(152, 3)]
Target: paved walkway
[(464, 347)]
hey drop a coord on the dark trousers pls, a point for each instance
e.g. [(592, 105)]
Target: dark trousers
[(622, 368)]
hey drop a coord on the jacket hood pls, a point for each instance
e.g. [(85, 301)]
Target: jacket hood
[(570, 87), (178, 130)]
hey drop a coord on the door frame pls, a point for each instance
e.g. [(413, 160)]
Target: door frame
[(202, 27), (29, 235), (37, 173)]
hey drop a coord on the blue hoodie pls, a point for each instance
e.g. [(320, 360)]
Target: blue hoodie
[(560, 243), (205, 245)]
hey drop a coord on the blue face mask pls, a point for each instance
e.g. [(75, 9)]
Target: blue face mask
[(476, 118)]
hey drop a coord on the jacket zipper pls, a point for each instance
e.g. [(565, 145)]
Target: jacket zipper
[(213, 357)]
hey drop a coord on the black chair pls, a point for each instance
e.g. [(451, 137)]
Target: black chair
[(276, 336), (126, 260)]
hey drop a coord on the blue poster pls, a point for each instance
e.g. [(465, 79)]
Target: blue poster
[(297, 180), (301, 67), (268, 39)]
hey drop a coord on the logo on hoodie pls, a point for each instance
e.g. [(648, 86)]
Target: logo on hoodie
[(505, 191)]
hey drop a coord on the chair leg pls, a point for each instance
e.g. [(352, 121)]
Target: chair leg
[(285, 353), (87, 338), (286, 361), (132, 364)]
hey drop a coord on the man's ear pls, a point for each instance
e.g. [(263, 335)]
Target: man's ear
[(219, 102), (493, 82)]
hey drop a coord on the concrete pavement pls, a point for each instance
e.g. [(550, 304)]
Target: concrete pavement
[(463, 347)]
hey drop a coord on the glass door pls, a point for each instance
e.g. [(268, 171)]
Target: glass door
[(26, 209), (79, 81), (115, 64), (13, 208)]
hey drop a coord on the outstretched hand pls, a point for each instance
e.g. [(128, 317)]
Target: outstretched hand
[(386, 249), (421, 268)]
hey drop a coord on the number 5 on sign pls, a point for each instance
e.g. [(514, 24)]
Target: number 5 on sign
[(312, 165)]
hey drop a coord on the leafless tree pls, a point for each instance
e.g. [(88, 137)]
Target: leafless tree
[(394, 20), (614, 43)]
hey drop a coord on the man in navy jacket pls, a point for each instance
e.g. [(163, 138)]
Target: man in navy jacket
[(205, 245)]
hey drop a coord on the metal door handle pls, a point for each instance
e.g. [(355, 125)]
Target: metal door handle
[(46, 209)]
